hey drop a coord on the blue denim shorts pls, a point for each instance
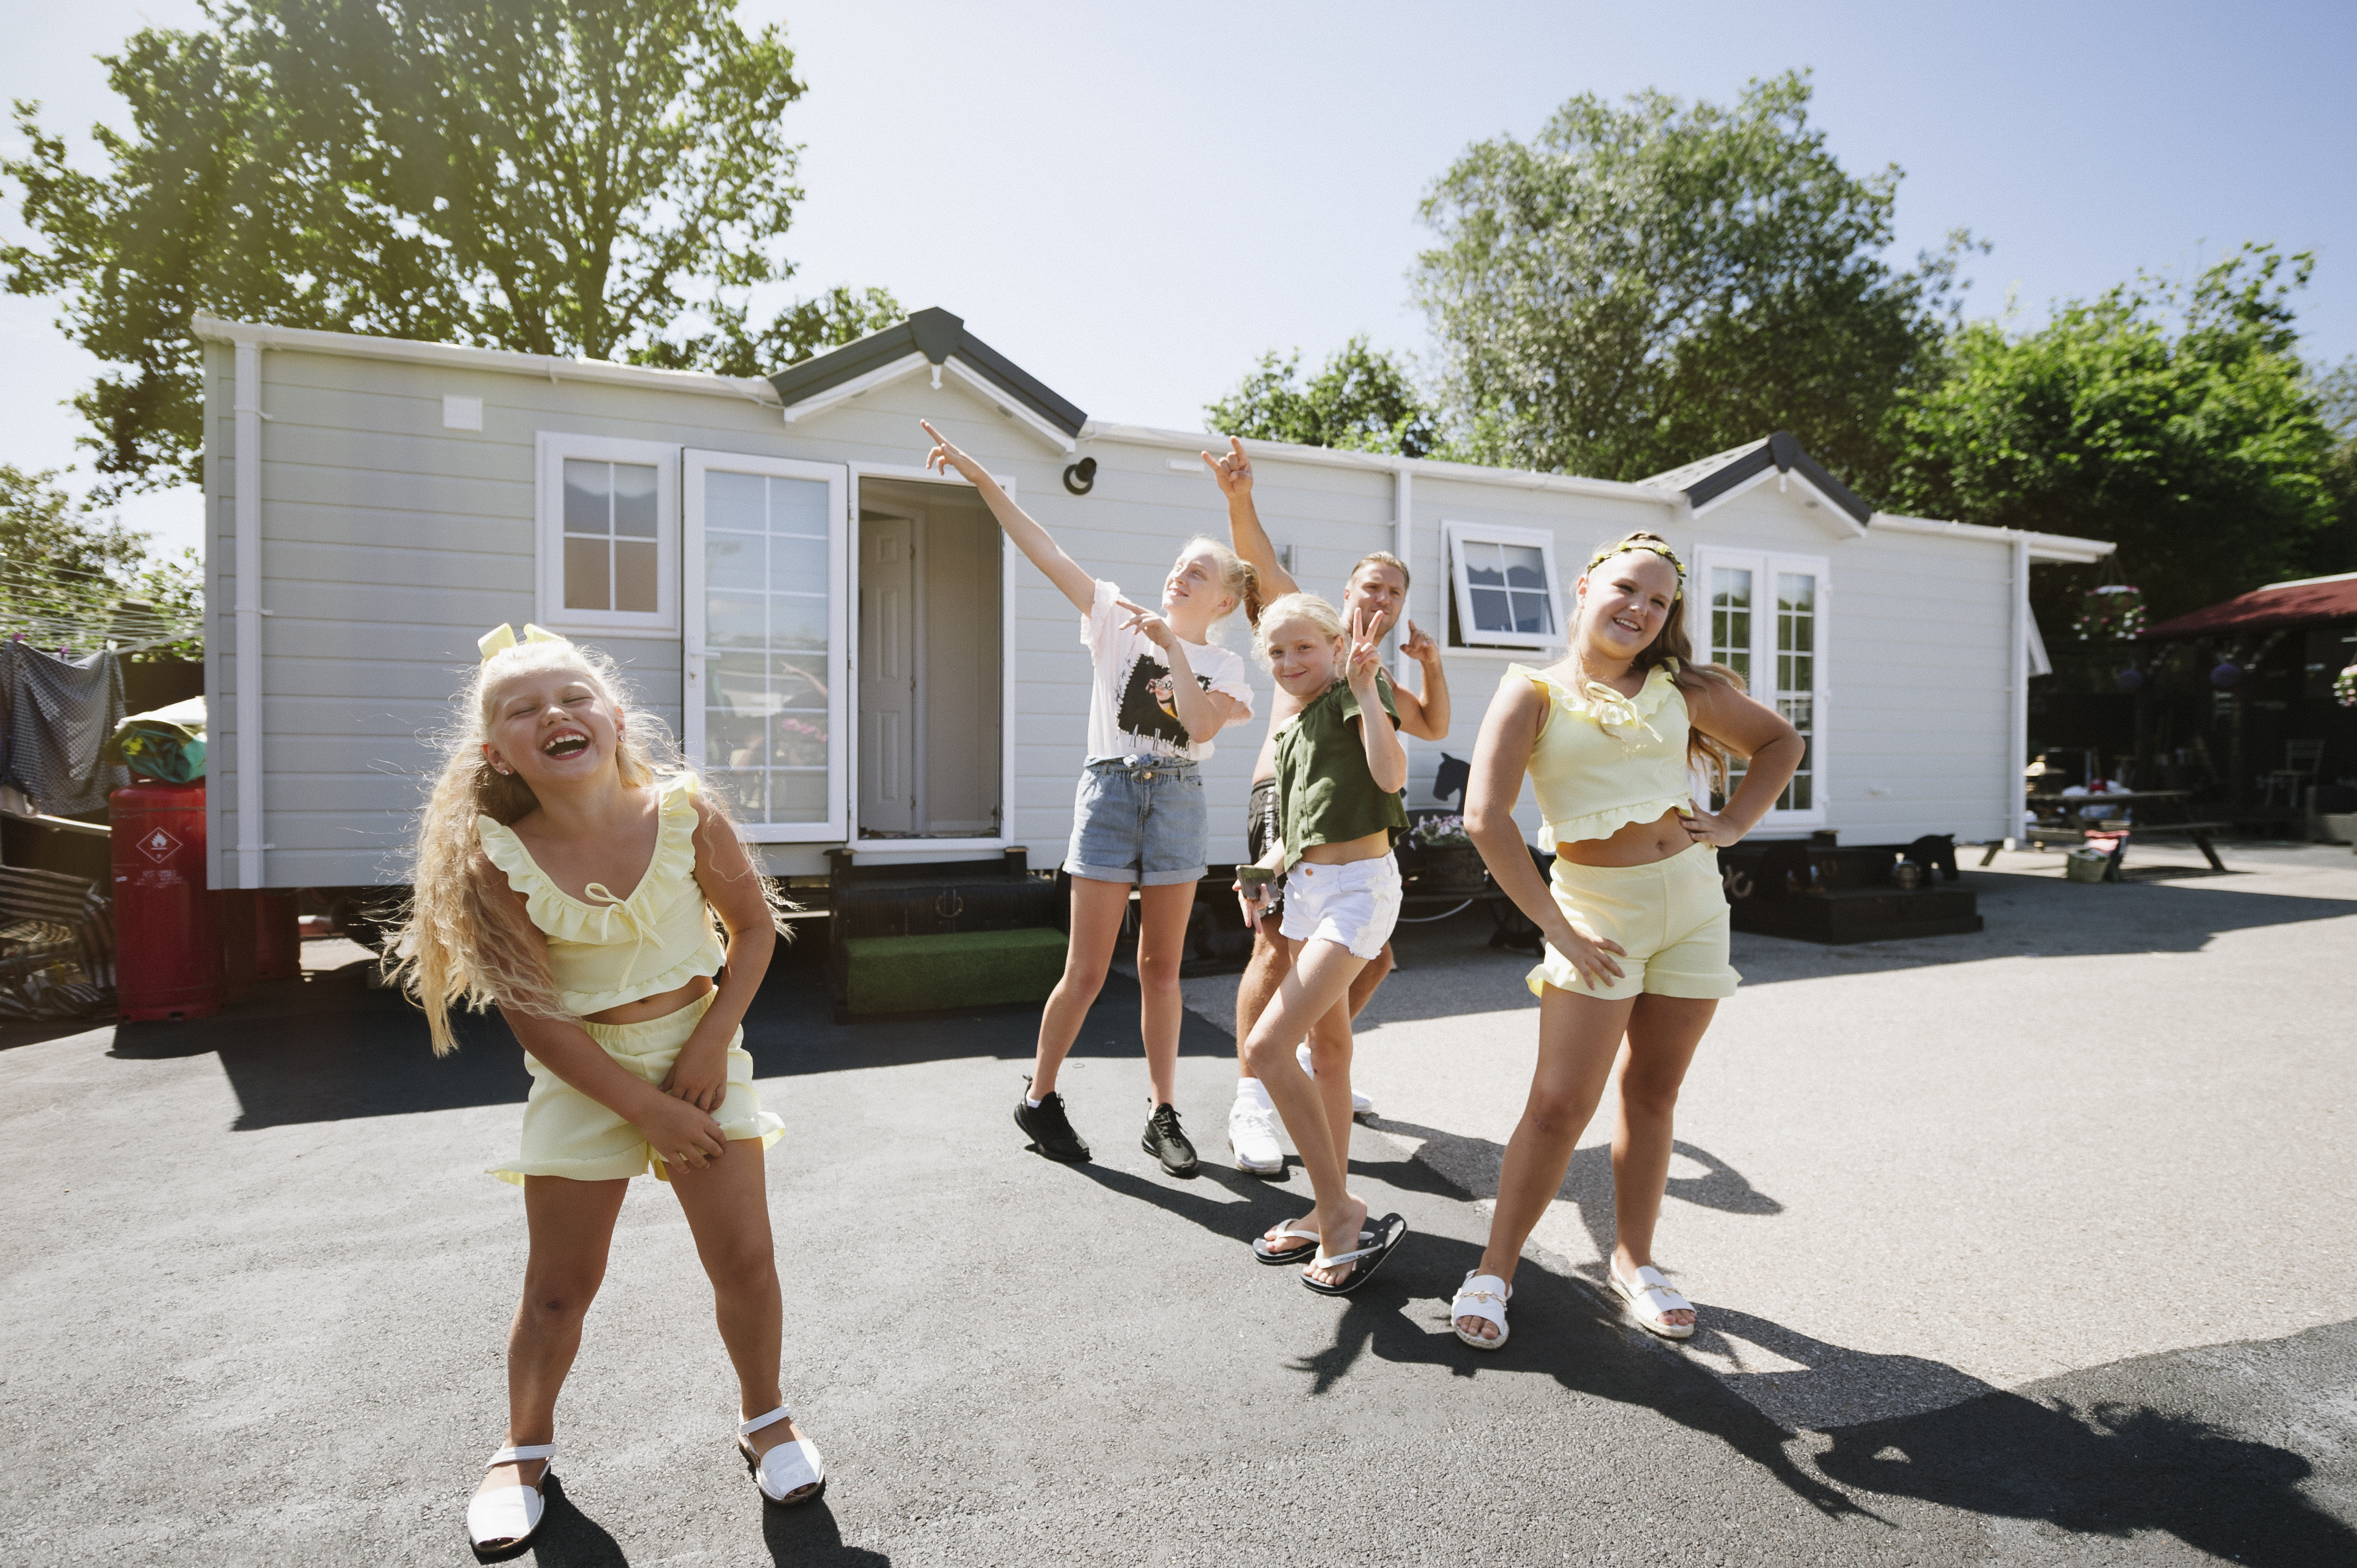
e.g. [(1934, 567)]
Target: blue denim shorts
[(1139, 818)]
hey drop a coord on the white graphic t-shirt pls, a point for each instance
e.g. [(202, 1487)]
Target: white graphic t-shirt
[(1130, 709)]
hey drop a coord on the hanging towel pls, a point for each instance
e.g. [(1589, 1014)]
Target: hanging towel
[(56, 716)]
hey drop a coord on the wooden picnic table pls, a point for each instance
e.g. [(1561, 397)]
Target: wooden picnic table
[(2167, 814)]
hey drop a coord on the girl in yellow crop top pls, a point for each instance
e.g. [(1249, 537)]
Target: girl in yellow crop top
[(1635, 920), (567, 877)]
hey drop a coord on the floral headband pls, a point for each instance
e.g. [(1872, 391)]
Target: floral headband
[(1652, 546), (502, 637)]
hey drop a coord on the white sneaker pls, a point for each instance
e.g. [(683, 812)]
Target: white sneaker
[(1252, 1133), (1360, 1104)]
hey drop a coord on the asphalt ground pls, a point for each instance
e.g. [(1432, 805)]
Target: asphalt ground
[(2001, 1257)]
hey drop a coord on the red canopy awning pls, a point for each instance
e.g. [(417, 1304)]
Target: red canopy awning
[(2277, 604)]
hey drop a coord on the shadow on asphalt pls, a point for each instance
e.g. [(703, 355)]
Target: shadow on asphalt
[(2033, 916), (2068, 1453), (2071, 1452), (809, 1534), (330, 1046), (1586, 1346), (569, 1538)]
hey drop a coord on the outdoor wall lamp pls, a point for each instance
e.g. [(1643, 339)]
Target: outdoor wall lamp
[(1081, 477)]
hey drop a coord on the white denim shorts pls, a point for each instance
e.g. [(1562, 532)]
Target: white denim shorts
[(1355, 905)]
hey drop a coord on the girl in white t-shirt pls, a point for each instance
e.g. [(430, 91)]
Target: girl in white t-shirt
[(1160, 692)]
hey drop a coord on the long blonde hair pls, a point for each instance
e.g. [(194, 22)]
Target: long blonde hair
[(1239, 579), (1672, 647), (461, 940)]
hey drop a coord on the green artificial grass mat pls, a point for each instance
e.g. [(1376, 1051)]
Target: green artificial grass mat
[(958, 968)]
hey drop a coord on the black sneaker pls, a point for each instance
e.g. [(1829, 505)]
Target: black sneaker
[(1049, 1130), (1166, 1142)]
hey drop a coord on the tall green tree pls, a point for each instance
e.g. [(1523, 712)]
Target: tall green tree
[(608, 179), (2333, 547), (2175, 419), (1362, 400), (1638, 287)]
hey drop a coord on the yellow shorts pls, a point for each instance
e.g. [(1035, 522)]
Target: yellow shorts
[(1671, 916), (566, 1133)]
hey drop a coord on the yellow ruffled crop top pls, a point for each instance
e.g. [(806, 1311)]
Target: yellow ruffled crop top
[(613, 950), (1602, 760)]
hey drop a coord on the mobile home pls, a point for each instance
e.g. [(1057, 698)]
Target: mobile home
[(848, 645)]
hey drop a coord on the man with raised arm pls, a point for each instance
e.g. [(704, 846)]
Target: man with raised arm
[(1375, 594)]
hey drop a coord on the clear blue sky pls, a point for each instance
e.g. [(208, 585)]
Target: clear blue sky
[(1133, 202)]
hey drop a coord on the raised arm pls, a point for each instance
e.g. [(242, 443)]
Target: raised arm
[(1500, 757), (1425, 717), (1387, 757), (1234, 475), (1031, 539)]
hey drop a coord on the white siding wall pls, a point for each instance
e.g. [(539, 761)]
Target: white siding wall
[(389, 544)]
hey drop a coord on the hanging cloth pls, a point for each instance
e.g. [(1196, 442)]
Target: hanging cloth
[(56, 718)]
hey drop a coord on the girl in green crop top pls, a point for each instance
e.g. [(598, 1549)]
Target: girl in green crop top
[(1339, 773), (1635, 921)]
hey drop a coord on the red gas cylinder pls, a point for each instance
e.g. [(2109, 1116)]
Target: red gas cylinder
[(167, 939)]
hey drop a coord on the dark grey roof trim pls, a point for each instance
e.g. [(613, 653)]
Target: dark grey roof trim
[(1783, 453), (937, 334)]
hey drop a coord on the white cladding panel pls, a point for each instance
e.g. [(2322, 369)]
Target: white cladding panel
[(392, 541)]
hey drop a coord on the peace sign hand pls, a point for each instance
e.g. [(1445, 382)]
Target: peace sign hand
[(1234, 471), (1364, 660), (946, 456)]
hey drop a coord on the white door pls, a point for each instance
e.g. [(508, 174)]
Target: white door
[(1763, 616), (765, 653), (890, 763)]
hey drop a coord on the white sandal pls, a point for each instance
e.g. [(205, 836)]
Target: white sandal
[(1651, 1300), (787, 1468), (1483, 1296), (500, 1521)]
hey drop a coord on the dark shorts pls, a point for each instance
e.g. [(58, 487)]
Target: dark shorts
[(1260, 831)]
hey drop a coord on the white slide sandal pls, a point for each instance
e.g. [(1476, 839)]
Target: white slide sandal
[(1651, 1300), (1483, 1296), (501, 1522), (790, 1475)]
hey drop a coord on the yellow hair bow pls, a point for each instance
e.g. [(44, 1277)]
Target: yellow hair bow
[(502, 637)]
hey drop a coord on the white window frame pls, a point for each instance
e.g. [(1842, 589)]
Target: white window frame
[(694, 465), (554, 447), (1457, 535), (1764, 566)]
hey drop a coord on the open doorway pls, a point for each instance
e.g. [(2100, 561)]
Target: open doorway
[(929, 642)]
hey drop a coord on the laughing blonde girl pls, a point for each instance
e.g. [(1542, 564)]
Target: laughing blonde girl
[(569, 874)]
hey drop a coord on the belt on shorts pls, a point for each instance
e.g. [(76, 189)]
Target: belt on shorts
[(1145, 767)]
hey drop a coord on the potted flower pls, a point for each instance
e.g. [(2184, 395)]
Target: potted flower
[(1436, 858), (2344, 687), (2111, 613)]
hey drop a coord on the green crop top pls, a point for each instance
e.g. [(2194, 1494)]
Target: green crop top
[(1602, 760), (613, 950), (1324, 790)]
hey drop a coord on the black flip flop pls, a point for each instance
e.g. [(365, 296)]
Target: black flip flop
[(1301, 1254), (1388, 1232)]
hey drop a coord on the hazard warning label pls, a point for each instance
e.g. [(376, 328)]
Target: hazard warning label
[(159, 846)]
